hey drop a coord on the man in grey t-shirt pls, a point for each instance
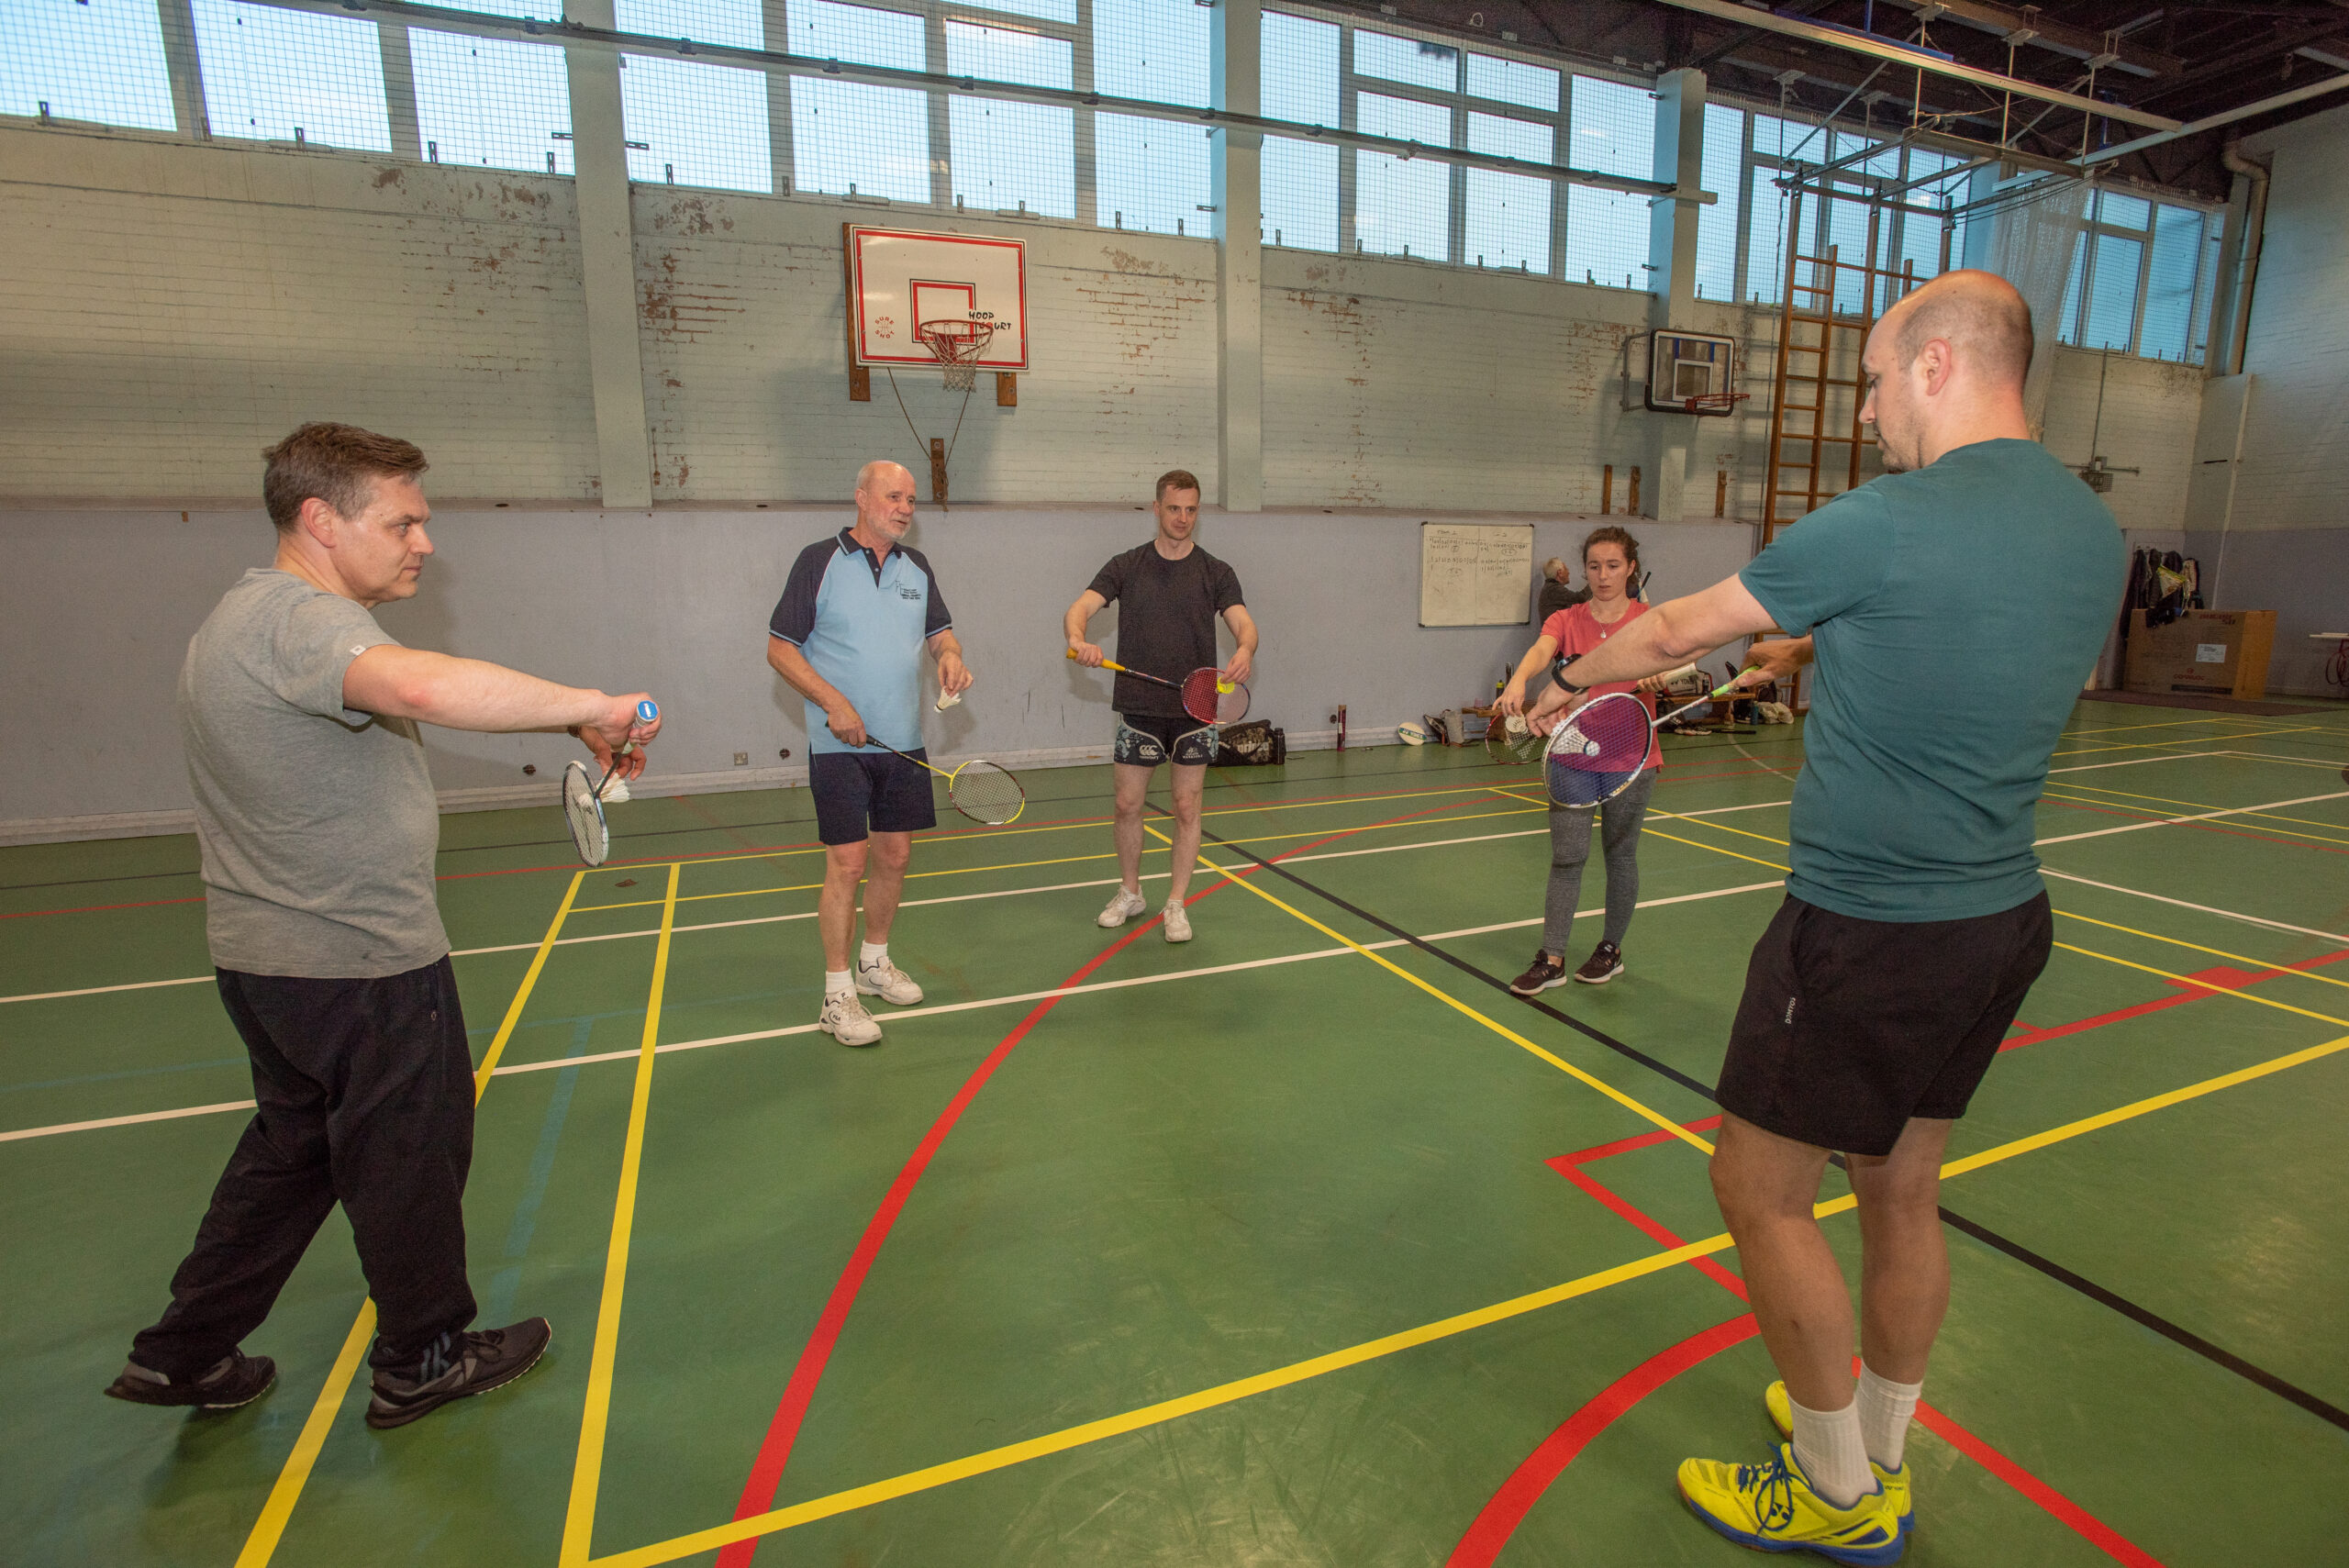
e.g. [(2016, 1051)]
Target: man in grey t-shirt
[(318, 825)]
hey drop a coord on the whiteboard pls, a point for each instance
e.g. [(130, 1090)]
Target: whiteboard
[(1475, 573)]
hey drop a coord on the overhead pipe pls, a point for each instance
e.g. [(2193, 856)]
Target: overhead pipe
[(2211, 122), (2255, 230)]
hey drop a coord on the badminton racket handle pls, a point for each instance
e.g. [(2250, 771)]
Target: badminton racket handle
[(647, 712)]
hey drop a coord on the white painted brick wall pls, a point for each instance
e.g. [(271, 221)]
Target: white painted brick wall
[(170, 309), (2150, 409), (2297, 440)]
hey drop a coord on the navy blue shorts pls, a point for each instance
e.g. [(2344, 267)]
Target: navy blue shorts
[(1145, 740), (858, 793)]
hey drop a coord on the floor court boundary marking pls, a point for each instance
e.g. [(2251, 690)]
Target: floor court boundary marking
[(267, 1530), (933, 1476)]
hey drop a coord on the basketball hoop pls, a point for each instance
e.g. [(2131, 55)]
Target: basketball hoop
[(958, 345), (1714, 402)]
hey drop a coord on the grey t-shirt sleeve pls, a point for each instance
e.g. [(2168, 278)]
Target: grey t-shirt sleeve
[(315, 646)]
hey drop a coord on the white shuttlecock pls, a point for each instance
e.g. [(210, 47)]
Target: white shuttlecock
[(947, 699)]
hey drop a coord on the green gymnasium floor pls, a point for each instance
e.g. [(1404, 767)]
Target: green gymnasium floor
[(1304, 1243)]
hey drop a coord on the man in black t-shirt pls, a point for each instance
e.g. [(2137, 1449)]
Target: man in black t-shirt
[(1170, 592)]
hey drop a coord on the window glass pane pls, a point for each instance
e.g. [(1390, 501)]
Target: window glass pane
[(1513, 82), (1300, 70), (735, 22), (2112, 295), (1606, 238), (1152, 49), (1300, 193), (827, 30), (701, 124), (1008, 154), (1413, 61), (1765, 238), (2123, 212), (491, 104), (1009, 54), (1614, 129), (2067, 327), (1403, 207), (1508, 214), (1847, 235), (1045, 10), (101, 61), (853, 136), (1787, 138), (269, 73), (2170, 284), (1717, 224), (1150, 173)]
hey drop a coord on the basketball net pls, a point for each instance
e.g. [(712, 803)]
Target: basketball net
[(958, 345), (1714, 402)]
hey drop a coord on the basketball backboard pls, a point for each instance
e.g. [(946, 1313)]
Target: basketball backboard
[(1683, 366), (900, 279)]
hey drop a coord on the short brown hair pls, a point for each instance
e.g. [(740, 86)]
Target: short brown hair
[(1175, 479), (1609, 534), (336, 464)]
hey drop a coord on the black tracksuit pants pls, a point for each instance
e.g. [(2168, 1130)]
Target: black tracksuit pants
[(364, 1096)]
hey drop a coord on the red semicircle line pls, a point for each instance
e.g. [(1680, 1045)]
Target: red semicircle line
[(775, 1449)]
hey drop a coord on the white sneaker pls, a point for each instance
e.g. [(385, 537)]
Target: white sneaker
[(845, 1019), (1178, 921), (1124, 905), (886, 981)]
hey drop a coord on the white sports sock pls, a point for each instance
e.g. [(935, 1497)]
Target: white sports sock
[(872, 955), (1829, 1448), (1884, 1409), (838, 983)]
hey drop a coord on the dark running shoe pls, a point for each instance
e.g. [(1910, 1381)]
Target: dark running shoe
[(1605, 962), (1544, 972), (237, 1379), (457, 1366)]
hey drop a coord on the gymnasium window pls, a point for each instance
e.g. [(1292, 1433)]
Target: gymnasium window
[(1613, 126), (100, 64), (1009, 156), (276, 76), (489, 104), (1402, 206), (1724, 172), (1150, 173), (1155, 49), (2141, 279), (858, 137), (691, 122), (1299, 84)]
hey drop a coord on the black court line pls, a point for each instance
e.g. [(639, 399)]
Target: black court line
[(2145, 1317)]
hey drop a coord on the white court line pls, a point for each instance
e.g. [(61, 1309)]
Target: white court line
[(2137, 761), (2278, 757), (2204, 908), (631, 1054), (2198, 816)]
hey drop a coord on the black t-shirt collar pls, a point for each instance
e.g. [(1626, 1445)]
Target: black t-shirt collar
[(848, 544)]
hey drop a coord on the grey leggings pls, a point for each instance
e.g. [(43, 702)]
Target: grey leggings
[(1619, 833)]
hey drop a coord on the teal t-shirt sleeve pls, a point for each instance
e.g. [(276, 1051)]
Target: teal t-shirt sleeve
[(1825, 563)]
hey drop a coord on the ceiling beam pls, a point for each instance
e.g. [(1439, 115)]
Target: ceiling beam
[(2034, 28)]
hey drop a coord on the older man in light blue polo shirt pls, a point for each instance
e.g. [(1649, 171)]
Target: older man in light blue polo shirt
[(857, 613)]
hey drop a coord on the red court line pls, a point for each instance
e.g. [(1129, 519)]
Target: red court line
[(791, 1410), (102, 908), (1625, 1145), (2219, 975), (1507, 1509), (1498, 1520)]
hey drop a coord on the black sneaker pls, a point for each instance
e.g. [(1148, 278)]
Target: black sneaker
[(1543, 973), (1605, 962), (238, 1379), (457, 1366)]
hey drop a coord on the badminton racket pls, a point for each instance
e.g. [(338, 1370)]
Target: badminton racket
[(1209, 695), (983, 790), (1595, 753), (1511, 741), (583, 807)]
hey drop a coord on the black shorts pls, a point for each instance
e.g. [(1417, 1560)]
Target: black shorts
[(1145, 740), (1849, 1028), (862, 792)]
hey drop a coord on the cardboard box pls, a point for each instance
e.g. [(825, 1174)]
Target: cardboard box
[(2218, 653)]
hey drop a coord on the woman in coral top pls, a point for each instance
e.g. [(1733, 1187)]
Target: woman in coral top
[(1610, 558)]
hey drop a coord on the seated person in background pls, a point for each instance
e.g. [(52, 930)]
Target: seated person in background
[(1557, 592)]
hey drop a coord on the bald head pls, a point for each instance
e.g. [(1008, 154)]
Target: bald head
[(877, 467), (1978, 315)]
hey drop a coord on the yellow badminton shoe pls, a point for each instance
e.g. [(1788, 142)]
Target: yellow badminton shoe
[(1894, 1482), (1771, 1508)]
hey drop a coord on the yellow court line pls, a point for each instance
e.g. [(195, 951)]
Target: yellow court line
[(2259, 963), (1062, 860), (1715, 849), (261, 1543), (938, 1475), (586, 1476), (2206, 985), (1612, 1093), (2196, 741), (2221, 811)]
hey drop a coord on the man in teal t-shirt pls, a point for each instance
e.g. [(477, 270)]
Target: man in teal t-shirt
[(1954, 608)]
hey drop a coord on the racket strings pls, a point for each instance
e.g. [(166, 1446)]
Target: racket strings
[(1211, 699), (589, 835), (1595, 755), (985, 793)]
